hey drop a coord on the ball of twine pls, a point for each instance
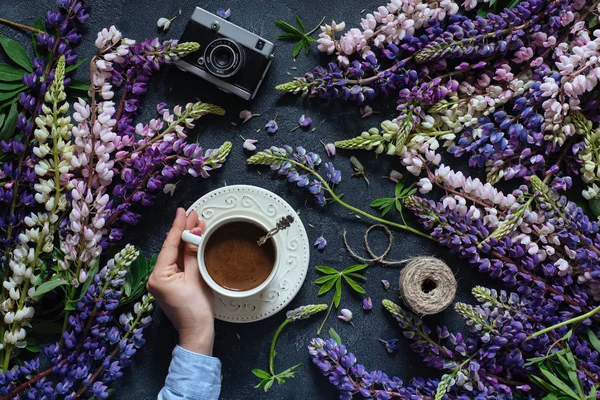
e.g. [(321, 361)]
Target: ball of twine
[(427, 285)]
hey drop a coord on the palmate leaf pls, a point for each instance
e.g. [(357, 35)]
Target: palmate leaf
[(297, 48), (288, 28), (262, 374), (16, 53), (324, 279)]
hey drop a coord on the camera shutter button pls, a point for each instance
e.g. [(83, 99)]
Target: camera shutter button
[(215, 26)]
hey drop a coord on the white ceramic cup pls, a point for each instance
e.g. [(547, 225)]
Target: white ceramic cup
[(201, 242)]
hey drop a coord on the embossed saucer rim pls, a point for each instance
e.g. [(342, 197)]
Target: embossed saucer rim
[(260, 203)]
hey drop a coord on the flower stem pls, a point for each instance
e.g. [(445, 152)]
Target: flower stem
[(326, 317), (567, 322), (273, 342), (357, 210), (20, 26)]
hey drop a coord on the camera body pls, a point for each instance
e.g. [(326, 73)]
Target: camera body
[(230, 57)]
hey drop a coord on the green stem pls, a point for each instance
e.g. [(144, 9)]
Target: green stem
[(568, 322), (357, 210), (326, 317), (273, 342), (20, 26)]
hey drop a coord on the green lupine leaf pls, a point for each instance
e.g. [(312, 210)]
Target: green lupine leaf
[(48, 287), (593, 340), (32, 344), (559, 384), (335, 336), (355, 268), (325, 278), (288, 28), (16, 53), (380, 202), (356, 276), (38, 24), (261, 373), (288, 373), (75, 66), (10, 123), (326, 270), (313, 30), (287, 35), (398, 189), (9, 95), (541, 383), (6, 87), (326, 287), (79, 85), (387, 209), (8, 73), (300, 24), (593, 393), (297, 49), (355, 286), (338, 293)]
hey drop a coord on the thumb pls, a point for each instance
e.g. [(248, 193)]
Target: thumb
[(190, 258)]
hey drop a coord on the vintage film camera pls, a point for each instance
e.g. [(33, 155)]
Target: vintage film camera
[(230, 57)]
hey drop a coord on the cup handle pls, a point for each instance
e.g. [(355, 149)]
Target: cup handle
[(189, 237)]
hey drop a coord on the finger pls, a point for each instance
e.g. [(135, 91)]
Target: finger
[(191, 220), (170, 249), (190, 258), (201, 224)]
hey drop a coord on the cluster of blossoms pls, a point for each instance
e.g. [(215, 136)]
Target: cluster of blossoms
[(543, 247), (299, 168), (71, 184), (503, 90), (95, 347)]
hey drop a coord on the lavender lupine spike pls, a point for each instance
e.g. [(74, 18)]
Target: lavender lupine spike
[(350, 378), (96, 349), (16, 196), (298, 167)]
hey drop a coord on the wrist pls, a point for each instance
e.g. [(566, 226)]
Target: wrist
[(198, 340)]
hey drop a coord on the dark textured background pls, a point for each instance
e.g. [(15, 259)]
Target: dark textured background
[(245, 346)]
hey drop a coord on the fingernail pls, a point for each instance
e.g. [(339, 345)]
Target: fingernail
[(197, 231), (177, 212)]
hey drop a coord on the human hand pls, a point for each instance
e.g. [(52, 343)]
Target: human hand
[(180, 290)]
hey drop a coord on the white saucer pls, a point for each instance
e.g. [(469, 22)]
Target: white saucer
[(293, 241)]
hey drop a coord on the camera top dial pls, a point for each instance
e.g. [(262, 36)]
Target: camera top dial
[(223, 57)]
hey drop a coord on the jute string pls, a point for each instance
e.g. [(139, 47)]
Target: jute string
[(427, 284)]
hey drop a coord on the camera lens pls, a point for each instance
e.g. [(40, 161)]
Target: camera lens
[(223, 58)]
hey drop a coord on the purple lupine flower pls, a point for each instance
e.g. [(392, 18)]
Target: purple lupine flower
[(367, 304), (304, 121), (329, 149), (271, 126), (386, 284), (391, 345), (321, 243), (223, 13)]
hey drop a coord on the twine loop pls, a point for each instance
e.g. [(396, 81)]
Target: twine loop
[(427, 284)]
